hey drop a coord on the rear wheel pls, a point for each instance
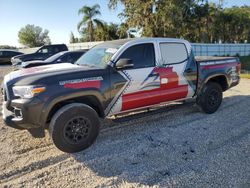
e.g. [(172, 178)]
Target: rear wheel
[(74, 127), (210, 98)]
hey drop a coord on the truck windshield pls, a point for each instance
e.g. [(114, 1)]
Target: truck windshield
[(54, 57), (98, 56)]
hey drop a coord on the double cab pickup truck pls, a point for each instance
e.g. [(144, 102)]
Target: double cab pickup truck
[(42, 53), (112, 78)]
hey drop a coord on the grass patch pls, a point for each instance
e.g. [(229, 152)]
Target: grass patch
[(245, 76), (245, 62)]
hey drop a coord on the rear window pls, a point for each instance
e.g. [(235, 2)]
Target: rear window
[(173, 53), (7, 54)]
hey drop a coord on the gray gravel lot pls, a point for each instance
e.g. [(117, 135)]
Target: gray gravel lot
[(174, 146)]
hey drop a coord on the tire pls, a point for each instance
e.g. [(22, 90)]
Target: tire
[(210, 98), (74, 127)]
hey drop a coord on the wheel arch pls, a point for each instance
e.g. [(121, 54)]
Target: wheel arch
[(220, 79), (91, 100)]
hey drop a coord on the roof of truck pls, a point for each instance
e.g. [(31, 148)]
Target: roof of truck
[(121, 42)]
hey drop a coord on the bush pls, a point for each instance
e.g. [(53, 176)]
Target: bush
[(245, 62), (7, 47)]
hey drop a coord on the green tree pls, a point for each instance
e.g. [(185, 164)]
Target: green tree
[(122, 31), (7, 47), (72, 38), (89, 21), (194, 20), (106, 32), (33, 36)]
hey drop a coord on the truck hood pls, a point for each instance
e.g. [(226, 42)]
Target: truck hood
[(34, 61), (26, 57), (40, 70)]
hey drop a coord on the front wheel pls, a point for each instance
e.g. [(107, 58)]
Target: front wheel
[(210, 98), (74, 127)]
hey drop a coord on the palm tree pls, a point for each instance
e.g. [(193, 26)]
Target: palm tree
[(89, 21)]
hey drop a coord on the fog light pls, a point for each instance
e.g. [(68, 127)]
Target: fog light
[(18, 113)]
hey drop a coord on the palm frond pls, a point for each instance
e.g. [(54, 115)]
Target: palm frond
[(96, 7), (80, 24), (95, 10), (99, 23), (84, 10)]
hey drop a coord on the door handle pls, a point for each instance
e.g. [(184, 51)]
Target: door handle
[(189, 70)]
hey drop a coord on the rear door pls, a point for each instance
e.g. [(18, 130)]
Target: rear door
[(178, 70)]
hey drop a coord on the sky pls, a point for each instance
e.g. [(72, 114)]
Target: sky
[(60, 17)]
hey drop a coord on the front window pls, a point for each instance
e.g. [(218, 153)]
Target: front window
[(54, 57), (45, 50), (142, 55), (98, 56)]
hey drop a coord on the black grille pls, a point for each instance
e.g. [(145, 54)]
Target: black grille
[(4, 94)]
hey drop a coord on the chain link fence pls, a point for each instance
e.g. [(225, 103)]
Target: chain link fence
[(200, 49)]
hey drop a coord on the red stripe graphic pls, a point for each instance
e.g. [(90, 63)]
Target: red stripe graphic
[(81, 85), (220, 65), (166, 92)]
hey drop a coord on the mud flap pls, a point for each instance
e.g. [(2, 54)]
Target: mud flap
[(37, 132)]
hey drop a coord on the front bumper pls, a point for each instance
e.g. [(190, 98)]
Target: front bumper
[(8, 117), (27, 117)]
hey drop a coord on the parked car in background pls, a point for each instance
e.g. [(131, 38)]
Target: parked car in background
[(61, 57), (6, 55), (42, 53)]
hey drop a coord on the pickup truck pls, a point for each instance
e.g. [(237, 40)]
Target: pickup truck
[(112, 78), (61, 57), (42, 53)]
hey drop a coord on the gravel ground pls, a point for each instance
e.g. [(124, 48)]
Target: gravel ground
[(174, 146)]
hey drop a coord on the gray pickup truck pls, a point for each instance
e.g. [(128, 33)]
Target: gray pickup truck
[(112, 78), (42, 53)]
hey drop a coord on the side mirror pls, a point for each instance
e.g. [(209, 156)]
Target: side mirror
[(124, 63), (59, 61)]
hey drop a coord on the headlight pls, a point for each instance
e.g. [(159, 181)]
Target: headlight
[(27, 91)]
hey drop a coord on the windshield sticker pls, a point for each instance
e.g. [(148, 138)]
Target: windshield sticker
[(111, 50)]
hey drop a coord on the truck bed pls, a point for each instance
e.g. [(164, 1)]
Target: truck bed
[(201, 59)]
